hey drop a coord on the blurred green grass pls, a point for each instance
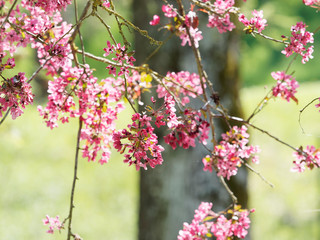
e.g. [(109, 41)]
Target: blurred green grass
[(291, 209), (36, 171)]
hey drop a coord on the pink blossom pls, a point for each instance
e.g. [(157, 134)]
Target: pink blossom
[(140, 143), (255, 23), (223, 24), (50, 6), (106, 3), (231, 152), (155, 21), (182, 84), (121, 57), (221, 20), (191, 126), (15, 93), (195, 34), (286, 86), (298, 41), (168, 11), (54, 223), (306, 158), (96, 104), (312, 3), (223, 226)]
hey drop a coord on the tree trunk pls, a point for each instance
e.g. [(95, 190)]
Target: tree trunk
[(170, 193)]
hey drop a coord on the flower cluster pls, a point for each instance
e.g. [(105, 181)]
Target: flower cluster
[(140, 142), (54, 223), (190, 127), (195, 33), (306, 158), (298, 41), (45, 31), (286, 86), (312, 3), (94, 108), (207, 224), (15, 93), (221, 18), (182, 84), (255, 23), (229, 155), (50, 6), (155, 20), (122, 58)]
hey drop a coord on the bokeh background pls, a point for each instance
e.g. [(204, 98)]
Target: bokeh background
[(36, 163)]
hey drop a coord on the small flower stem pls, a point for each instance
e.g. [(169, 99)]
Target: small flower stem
[(301, 111), (8, 15), (5, 116), (74, 182), (233, 197)]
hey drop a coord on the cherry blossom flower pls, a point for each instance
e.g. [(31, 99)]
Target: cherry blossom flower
[(140, 142), (190, 127), (255, 23), (54, 223), (312, 3), (298, 41), (286, 86), (182, 84), (306, 158), (221, 20), (121, 57), (155, 21), (195, 34), (98, 107), (168, 11), (15, 93), (207, 223), (50, 6), (229, 155)]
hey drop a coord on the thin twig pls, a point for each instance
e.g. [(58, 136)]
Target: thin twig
[(233, 197), (8, 15), (303, 110), (106, 26), (142, 32), (82, 17), (75, 178), (5, 116), (39, 69), (259, 174)]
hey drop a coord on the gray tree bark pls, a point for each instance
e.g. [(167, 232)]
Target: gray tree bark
[(170, 193)]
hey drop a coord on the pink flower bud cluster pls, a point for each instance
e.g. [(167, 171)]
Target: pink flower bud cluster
[(140, 142), (182, 84), (49, 6), (221, 18), (15, 92), (298, 41), (121, 57), (231, 152), (191, 22), (306, 158), (190, 127), (286, 86), (43, 30), (94, 108), (54, 223), (155, 21), (207, 224), (195, 34), (255, 23), (312, 3)]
